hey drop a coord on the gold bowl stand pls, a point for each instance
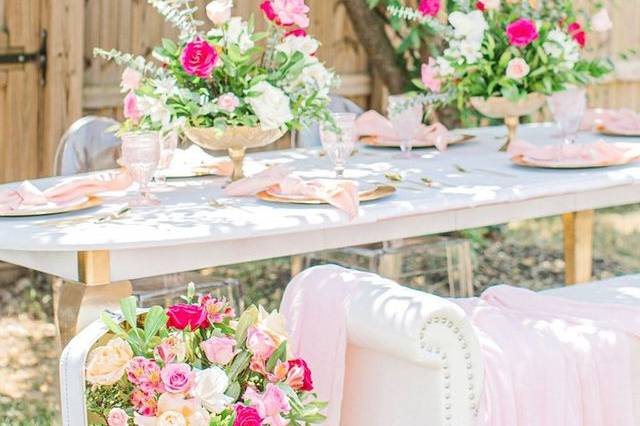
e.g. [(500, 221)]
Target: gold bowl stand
[(235, 140), (499, 107)]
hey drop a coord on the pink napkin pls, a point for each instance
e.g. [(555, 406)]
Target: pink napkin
[(598, 151), (622, 121), (371, 123), (28, 195), (341, 194)]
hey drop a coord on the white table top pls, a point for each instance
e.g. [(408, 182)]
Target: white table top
[(186, 233)]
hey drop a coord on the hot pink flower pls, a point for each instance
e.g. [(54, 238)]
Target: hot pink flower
[(260, 343), (177, 377), (286, 12), (429, 7), (131, 110), (522, 32), (184, 315), (270, 405), (299, 377), (298, 32), (480, 6), (247, 416), (117, 417), (219, 350), (578, 34), (199, 58), (430, 75)]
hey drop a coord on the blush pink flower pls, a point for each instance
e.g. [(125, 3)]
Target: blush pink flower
[(270, 405), (522, 32), (227, 102), (199, 58), (429, 7), (144, 403), (117, 417), (145, 373), (517, 69), (218, 309), (171, 349), (286, 12), (177, 378), (260, 343), (430, 76), (131, 110), (247, 416), (130, 79), (219, 350)]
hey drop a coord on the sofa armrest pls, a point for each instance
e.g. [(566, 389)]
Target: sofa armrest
[(426, 330)]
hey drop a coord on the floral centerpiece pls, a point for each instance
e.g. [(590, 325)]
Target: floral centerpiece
[(231, 86), (195, 364), (504, 56)]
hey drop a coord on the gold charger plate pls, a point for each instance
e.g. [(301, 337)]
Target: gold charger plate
[(603, 130), (92, 201), (520, 160), (375, 141), (376, 193)]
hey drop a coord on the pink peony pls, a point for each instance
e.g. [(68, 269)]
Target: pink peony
[(177, 378), (260, 343), (247, 416), (299, 377), (117, 417), (130, 79), (199, 58), (429, 7), (270, 405), (217, 309), (227, 102), (183, 315), (131, 110), (578, 34), (430, 76), (286, 12), (219, 350), (522, 32)]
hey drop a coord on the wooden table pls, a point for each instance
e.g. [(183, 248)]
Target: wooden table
[(186, 232)]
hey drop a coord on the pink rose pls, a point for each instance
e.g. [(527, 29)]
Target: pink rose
[(517, 69), (299, 377), (578, 34), (183, 315), (430, 76), (522, 32), (177, 377), (219, 350), (131, 110), (117, 417), (260, 343), (130, 79), (429, 7), (247, 416), (286, 12), (269, 405), (228, 102), (199, 58)]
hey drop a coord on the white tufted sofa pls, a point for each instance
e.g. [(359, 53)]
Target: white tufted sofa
[(412, 358)]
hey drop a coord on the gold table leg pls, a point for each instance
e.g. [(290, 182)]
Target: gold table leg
[(78, 304), (578, 246)]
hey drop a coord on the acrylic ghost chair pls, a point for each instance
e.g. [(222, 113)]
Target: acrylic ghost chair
[(89, 145)]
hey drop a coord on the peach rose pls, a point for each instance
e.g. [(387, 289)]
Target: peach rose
[(107, 364)]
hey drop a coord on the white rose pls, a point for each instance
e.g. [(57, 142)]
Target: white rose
[(601, 22), (210, 387), (305, 44), (470, 25), (315, 75), (219, 11), (274, 324), (271, 106), (237, 33), (155, 109), (517, 69)]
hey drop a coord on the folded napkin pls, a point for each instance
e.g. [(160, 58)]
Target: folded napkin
[(27, 195), (599, 151), (340, 194), (371, 123), (194, 157), (622, 121)]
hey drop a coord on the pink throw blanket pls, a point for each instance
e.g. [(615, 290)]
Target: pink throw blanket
[(28, 195), (599, 151), (371, 123), (622, 121), (342, 194), (548, 361)]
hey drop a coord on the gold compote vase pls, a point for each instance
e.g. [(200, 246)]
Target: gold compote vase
[(499, 107), (236, 140)]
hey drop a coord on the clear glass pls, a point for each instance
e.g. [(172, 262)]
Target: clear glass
[(339, 144), (141, 155), (168, 145), (568, 109), (406, 118)]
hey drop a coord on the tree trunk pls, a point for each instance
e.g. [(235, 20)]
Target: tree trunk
[(370, 29)]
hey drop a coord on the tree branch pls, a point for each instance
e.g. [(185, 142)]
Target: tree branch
[(370, 29)]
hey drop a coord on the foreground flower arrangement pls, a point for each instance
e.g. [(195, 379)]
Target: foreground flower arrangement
[(195, 364), (509, 48), (228, 75)]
